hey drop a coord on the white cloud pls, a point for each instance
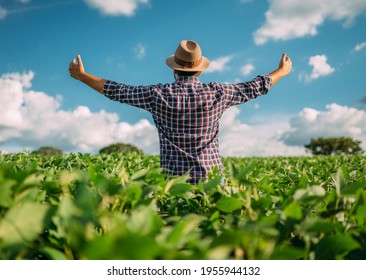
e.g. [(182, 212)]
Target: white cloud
[(32, 119), (24, 8), (25, 79), (320, 68), (297, 18), (335, 121), (3, 13), (219, 64), (140, 51), (261, 139), (287, 136), (360, 46), (117, 7), (247, 69)]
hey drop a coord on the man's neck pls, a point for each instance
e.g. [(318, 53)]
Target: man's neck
[(187, 79)]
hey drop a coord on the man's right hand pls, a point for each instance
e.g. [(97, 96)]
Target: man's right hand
[(76, 70), (285, 64), (284, 68)]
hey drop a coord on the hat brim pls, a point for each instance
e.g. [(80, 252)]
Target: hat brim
[(202, 67)]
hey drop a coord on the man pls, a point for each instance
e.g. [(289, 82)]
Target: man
[(186, 112)]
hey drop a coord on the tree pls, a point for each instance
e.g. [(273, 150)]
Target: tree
[(48, 150), (334, 146), (120, 148)]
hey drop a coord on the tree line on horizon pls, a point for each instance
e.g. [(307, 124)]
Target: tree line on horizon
[(318, 146)]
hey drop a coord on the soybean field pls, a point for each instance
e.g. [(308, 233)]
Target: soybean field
[(122, 206)]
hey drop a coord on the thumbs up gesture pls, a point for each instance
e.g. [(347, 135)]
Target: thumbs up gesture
[(285, 64), (76, 68)]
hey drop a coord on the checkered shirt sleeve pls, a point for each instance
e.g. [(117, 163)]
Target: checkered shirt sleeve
[(186, 114)]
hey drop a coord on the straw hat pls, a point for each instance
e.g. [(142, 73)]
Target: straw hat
[(188, 57)]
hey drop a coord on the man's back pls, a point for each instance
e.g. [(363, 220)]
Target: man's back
[(186, 114)]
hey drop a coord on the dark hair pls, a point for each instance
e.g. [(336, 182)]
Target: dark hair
[(187, 73)]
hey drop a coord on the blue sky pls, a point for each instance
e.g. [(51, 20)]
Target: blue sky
[(129, 40)]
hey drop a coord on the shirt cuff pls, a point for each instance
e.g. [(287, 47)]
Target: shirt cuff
[(108, 87), (268, 79), (266, 83)]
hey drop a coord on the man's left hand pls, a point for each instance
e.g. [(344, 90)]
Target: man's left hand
[(76, 70)]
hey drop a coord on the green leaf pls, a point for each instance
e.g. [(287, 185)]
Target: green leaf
[(23, 224), (334, 246), (340, 181), (140, 175), (86, 199), (229, 204), (310, 192), (353, 188), (359, 209), (215, 216), (361, 214), (144, 220), (177, 180), (53, 253), (66, 211), (33, 180), (317, 225), (303, 182), (134, 191), (293, 211), (182, 228), (240, 176), (27, 195), (180, 188), (212, 185), (6, 193), (122, 247), (284, 252)]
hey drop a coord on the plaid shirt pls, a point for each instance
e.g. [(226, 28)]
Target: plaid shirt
[(186, 114)]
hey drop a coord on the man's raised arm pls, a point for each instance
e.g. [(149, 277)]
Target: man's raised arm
[(283, 69), (77, 71)]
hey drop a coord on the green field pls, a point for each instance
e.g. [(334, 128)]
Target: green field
[(121, 206)]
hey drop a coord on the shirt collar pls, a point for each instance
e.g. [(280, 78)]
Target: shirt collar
[(187, 80)]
